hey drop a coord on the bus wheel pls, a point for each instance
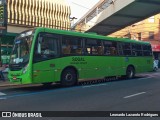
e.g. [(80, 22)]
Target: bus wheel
[(130, 72), (68, 77)]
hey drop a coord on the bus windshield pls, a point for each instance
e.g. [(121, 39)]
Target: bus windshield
[(21, 48)]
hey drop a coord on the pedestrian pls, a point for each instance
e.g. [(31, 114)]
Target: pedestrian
[(1, 72)]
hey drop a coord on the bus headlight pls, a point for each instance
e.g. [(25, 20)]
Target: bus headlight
[(25, 69)]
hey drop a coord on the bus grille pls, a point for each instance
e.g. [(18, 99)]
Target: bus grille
[(15, 67)]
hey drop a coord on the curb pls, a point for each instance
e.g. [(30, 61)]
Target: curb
[(11, 84), (8, 84)]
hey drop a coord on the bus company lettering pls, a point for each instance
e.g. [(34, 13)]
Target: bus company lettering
[(78, 60)]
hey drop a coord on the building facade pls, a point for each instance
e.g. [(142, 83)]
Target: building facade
[(25, 14), (38, 13), (146, 30)]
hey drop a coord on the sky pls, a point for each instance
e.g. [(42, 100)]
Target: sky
[(80, 7)]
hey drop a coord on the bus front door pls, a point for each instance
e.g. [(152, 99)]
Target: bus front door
[(43, 72)]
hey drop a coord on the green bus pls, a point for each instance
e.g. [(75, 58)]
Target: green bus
[(44, 55)]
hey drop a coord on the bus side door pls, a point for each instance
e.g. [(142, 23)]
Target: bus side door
[(46, 50)]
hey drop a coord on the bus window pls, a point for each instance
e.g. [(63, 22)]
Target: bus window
[(71, 45), (66, 46), (93, 47), (127, 49), (120, 48), (25, 48), (46, 48), (147, 50), (136, 50), (110, 48)]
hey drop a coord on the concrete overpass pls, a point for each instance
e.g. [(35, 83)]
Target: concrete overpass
[(108, 16)]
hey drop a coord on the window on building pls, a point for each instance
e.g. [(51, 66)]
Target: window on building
[(139, 36), (151, 35), (128, 36)]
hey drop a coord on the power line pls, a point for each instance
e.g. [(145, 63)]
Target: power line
[(80, 5)]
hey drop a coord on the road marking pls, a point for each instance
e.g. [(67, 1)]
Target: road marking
[(88, 86), (135, 95), (145, 78), (1, 93), (3, 98)]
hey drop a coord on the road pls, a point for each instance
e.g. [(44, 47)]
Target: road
[(140, 94)]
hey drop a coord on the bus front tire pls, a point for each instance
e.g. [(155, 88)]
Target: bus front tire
[(130, 72), (68, 77)]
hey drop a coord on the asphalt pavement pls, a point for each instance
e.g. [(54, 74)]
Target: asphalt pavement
[(139, 94)]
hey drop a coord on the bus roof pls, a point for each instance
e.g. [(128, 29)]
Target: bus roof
[(89, 35)]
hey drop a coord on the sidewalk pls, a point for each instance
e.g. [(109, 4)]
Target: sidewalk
[(6, 82)]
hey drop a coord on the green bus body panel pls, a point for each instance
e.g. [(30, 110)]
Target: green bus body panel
[(87, 67), (21, 78)]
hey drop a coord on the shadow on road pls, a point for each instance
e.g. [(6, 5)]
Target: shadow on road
[(41, 87)]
